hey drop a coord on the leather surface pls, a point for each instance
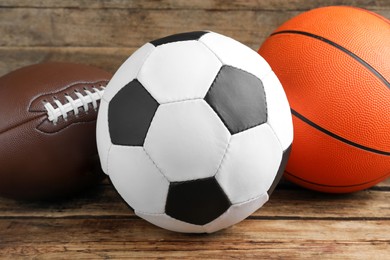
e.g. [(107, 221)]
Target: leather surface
[(233, 53), (337, 82), (282, 167), (103, 139), (326, 164), (179, 71), (146, 192), (187, 140), (233, 215), (279, 117), (205, 206), (128, 71), (250, 164), (334, 93), (130, 114), (179, 38), (40, 160), (238, 98), (364, 33), (278, 109)]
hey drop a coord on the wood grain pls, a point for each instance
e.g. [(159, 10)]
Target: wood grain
[(294, 224), (275, 5), (104, 33), (105, 38), (108, 58), (129, 28), (293, 203), (125, 238)]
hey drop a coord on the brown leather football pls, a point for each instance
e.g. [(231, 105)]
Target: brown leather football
[(47, 130)]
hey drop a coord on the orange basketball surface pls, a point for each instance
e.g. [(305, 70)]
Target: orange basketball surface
[(334, 64)]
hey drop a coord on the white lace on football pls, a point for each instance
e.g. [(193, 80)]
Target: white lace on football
[(73, 104)]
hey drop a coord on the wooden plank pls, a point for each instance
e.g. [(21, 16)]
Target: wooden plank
[(129, 28), (124, 238), (384, 184), (103, 57), (276, 5), (108, 38), (369, 204), (104, 202)]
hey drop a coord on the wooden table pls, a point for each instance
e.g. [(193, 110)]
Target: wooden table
[(295, 223)]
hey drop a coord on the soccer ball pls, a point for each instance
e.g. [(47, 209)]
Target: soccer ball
[(194, 131)]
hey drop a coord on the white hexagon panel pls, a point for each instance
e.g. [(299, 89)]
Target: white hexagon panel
[(184, 131), (196, 76), (194, 132)]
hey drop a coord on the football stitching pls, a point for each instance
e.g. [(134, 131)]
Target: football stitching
[(55, 92), (42, 111), (83, 101), (62, 128)]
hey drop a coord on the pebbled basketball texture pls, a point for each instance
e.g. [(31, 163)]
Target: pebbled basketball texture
[(333, 63), (47, 130)]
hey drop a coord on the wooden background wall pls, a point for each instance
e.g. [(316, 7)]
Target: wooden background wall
[(104, 33)]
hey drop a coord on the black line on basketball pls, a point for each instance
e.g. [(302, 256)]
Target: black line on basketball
[(304, 119), (341, 48), (333, 186)]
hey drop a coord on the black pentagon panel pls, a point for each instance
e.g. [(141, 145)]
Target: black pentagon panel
[(282, 167), (238, 98), (197, 202), (179, 37), (130, 113)]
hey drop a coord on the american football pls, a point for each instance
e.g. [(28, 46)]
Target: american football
[(47, 130)]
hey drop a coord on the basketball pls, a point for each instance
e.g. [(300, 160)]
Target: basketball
[(334, 64)]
